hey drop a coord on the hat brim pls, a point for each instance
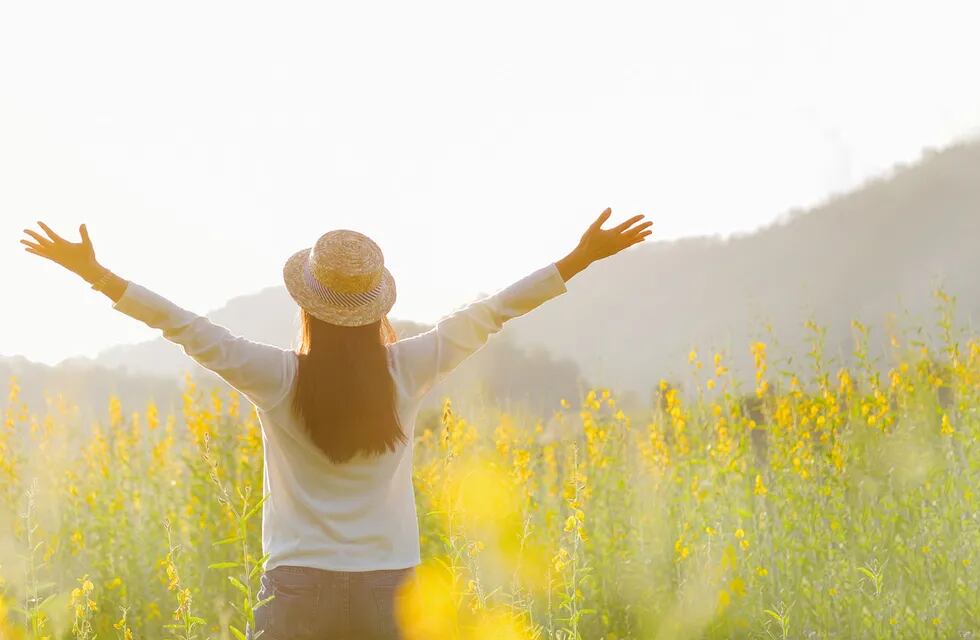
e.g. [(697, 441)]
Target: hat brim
[(321, 309)]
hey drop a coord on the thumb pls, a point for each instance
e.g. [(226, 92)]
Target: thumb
[(602, 218), (85, 239)]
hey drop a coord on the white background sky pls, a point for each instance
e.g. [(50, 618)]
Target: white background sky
[(204, 142)]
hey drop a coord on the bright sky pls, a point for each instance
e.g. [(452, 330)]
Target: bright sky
[(203, 142)]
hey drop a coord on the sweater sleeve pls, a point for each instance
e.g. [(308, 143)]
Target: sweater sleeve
[(426, 359), (261, 372)]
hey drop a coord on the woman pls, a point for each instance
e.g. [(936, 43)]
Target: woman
[(338, 414)]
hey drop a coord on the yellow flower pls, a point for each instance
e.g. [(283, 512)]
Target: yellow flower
[(760, 488), (560, 559), (739, 533), (737, 585), (946, 427), (681, 549), (723, 600), (762, 572)]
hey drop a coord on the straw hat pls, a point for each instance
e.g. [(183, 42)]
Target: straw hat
[(341, 279)]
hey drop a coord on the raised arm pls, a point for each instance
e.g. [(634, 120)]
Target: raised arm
[(424, 360), (262, 372)]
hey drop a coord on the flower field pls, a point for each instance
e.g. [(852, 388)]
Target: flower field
[(820, 501)]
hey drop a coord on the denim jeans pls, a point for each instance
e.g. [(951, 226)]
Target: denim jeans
[(317, 604)]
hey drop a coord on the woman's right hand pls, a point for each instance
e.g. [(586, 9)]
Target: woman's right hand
[(598, 243)]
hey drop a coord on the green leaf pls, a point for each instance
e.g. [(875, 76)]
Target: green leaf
[(238, 585), (258, 566), (235, 632), (226, 541), (775, 616), (224, 565), (253, 510)]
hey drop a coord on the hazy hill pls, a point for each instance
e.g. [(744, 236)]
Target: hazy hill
[(880, 250), (86, 386), (627, 322)]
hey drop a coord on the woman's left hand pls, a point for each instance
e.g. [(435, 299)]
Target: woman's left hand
[(77, 257)]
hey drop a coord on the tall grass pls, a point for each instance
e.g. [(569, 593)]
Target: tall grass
[(826, 502)]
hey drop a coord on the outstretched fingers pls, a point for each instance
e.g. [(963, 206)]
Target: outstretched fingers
[(638, 228), (35, 248), (640, 237), (74, 256), (54, 236), (626, 225), (41, 240)]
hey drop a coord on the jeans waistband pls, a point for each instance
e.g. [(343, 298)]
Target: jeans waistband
[(296, 569)]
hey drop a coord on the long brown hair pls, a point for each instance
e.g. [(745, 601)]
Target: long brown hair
[(345, 395)]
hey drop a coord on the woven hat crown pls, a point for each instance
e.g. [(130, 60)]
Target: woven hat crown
[(346, 261), (341, 279)]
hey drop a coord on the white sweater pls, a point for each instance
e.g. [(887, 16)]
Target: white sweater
[(353, 516)]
